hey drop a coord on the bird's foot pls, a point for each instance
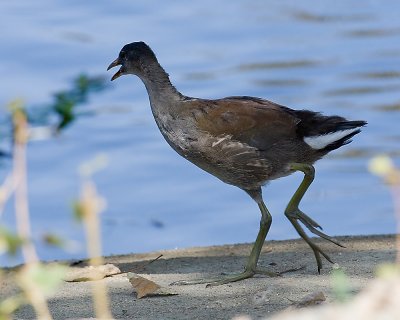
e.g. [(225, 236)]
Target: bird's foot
[(296, 215), (224, 279), (311, 225)]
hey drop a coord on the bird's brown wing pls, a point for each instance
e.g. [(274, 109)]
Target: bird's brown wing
[(256, 122)]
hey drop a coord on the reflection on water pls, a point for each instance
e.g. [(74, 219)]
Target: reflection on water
[(378, 75), (389, 107), (372, 33), (362, 90), (337, 58), (324, 18), (277, 65), (279, 83)]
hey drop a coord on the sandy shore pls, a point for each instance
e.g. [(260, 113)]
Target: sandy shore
[(257, 297)]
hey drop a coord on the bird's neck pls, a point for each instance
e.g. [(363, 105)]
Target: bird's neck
[(160, 89)]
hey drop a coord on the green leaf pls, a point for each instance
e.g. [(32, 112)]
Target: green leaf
[(66, 101), (9, 241), (78, 211), (340, 285), (9, 305), (16, 105), (53, 240), (42, 277)]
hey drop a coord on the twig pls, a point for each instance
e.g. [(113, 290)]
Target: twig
[(141, 268), (90, 202), (19, 175), (292, 270), (21, 188), (395, 189), (6, 190)]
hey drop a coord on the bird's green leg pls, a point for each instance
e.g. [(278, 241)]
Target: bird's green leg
[(294, 214), (251, 267)]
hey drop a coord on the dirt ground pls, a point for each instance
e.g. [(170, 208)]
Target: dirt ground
[(257, 297)]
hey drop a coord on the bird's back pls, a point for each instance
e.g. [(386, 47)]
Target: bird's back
[(247, 141)]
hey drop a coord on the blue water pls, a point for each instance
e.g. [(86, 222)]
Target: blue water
[(338, 57)]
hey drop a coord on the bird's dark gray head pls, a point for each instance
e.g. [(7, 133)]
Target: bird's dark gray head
[(132, 58)]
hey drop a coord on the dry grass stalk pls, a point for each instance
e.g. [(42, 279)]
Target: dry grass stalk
[(90, 206), (19, 175), (6, 190), (383, 166), (395, 189)]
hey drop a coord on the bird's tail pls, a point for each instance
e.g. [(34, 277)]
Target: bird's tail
[(326, 133)]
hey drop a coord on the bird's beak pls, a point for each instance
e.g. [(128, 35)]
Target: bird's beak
[(113, 64)]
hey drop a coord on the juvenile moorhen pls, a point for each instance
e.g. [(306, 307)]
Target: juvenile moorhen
[(243, 141)]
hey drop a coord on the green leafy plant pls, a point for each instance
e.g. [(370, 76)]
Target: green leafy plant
[(35, 279), (60, 113)]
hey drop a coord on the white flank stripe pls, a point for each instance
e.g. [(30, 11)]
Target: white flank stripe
[(320, 142), (220, 140)]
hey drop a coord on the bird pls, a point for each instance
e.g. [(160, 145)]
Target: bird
[(243, 141)]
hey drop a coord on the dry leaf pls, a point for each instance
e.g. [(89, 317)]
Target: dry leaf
[(91, 273), (312, 299), (145, 287)]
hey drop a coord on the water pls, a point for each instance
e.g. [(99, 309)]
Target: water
[(337, 58)]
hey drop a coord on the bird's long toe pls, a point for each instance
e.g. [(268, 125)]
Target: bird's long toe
[(306, 219), (316, 249), (311, 225), (218, 280), (224, 279)]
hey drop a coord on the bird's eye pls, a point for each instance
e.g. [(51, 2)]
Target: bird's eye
[(122, 55)]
